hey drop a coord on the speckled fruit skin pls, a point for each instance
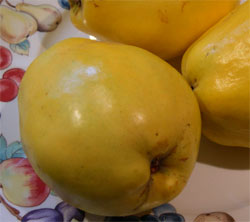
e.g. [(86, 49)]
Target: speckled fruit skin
[(217, 66), (165, 27), (112, 129)]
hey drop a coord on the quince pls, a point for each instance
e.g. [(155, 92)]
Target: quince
[(164, 27), (217, 66), (112, 129)]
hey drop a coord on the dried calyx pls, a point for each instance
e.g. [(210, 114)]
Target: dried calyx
[(75, 5)]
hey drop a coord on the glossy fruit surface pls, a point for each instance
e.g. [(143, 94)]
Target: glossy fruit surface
[(217, 66), (125, 124), (165, 27)]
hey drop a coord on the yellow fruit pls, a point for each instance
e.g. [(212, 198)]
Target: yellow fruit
[(165, 27), (217, 66), (112, 129)]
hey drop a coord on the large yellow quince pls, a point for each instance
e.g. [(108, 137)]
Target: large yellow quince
[(112, 129), (217, 66), (164, 27)]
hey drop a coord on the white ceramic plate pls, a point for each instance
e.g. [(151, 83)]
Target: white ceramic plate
[(219, 182)]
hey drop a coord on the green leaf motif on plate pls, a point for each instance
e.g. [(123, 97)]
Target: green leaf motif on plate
[(14, 150), (3, 142), (3, 146), (21, 48)]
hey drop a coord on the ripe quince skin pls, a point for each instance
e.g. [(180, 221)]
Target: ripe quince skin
[(217, 66), (166, 27), (112, 129)]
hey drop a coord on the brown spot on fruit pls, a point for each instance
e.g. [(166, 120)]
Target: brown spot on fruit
[(174, 150), (184, 3), (184, 159), (161, 144), (95, 4), (163, 15)]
